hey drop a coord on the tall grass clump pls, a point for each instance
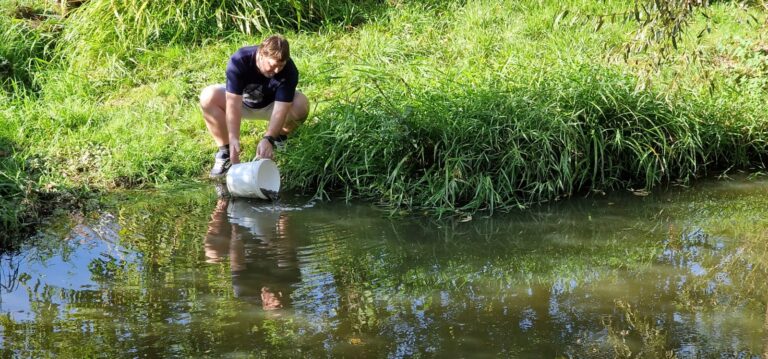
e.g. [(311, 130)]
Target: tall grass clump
[(13, 181), (121, 27), (449, 148), (25, 42)]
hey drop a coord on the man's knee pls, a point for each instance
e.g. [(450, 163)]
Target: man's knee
[(300, 108), (211, 96)]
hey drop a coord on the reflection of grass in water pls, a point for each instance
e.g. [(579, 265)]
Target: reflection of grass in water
[(629, 333), (717, 250), (492, 255), (735, 217), (375, 281), (419, 268), (153, 295), (166, 225)]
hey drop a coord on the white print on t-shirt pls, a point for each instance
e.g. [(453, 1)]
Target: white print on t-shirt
[(253, 95)]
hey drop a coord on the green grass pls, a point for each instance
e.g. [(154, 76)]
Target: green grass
[(449, 148), (117, 30), (25, 43), (438, 106), (12, 187)]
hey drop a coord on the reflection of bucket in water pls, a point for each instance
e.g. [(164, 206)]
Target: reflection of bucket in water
[(257, 179), (260, 220)]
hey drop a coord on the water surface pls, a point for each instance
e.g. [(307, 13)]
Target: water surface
[(180, 273)]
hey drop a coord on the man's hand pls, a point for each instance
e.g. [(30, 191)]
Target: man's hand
[(234, 151), (264, 149)]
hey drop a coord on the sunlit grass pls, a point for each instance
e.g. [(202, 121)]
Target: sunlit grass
[(456, 106), (109, 28), (26, 43), (491, 109)]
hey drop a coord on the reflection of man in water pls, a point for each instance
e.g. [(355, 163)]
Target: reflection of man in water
[(262, 256)]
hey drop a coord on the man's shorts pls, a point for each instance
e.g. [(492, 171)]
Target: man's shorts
[(264, 113)]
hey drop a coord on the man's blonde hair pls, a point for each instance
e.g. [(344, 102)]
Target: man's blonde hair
[(275, 47)]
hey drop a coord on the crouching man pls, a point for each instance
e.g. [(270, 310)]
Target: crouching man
[(261, 84)]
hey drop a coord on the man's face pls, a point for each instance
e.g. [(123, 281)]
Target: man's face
[(269, 67)]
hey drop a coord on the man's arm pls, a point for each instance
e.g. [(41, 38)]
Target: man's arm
[(276, 122), (234, 113)]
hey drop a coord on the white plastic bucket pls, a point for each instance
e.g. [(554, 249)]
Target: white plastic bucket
[(257, 179)]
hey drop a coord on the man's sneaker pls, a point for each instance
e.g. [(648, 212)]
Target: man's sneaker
[(221, 165), (280, 143)]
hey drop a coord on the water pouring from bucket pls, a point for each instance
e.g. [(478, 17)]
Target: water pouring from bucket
[(259, 178)]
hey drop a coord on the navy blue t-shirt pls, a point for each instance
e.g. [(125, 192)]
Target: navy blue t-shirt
[(258, 91)]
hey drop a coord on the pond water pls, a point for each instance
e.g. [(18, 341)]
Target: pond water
[(180, 273)]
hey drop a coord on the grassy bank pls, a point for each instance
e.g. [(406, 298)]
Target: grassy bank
[(440, 106)]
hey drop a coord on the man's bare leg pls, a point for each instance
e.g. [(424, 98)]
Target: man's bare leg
[(297, 114), (213, 102)]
